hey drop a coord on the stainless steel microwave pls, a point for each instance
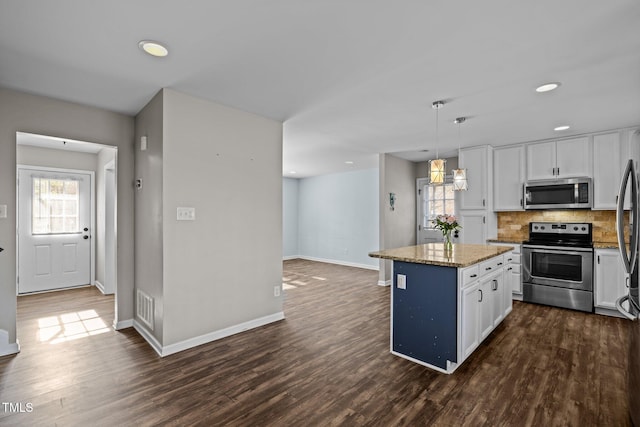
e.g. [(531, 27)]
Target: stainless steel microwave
[(570, 193)]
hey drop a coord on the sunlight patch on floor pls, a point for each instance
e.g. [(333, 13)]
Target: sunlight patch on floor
[(287, 286), (70, 326)]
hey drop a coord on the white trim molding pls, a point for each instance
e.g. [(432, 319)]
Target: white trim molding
[(7, 348), (206, 338), (384, 282), (122, 324), (99, 286), (288, 257)]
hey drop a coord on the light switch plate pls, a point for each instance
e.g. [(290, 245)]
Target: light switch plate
[(3, 211), (402, 281), (186, 214)]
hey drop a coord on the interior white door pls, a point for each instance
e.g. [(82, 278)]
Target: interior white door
[(54, 238)]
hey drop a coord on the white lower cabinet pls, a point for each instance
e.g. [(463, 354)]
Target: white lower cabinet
[(470, 308), (609, 278), (485, 301)]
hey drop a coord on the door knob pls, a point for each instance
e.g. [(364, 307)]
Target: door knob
[(85, 229), (1, 249), (85, 237)]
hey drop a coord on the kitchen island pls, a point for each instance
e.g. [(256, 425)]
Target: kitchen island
[(445, 302)]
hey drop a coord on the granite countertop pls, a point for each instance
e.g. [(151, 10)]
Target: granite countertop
[(462, 255), (605, 245), (514, 241)]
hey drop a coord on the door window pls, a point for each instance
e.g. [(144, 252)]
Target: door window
[(55, 207), (439, 200)]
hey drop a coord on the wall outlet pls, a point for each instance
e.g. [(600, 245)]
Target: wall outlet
[(401, 281), (186, 214), (276, 291)]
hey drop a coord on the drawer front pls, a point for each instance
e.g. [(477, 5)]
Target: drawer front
[(469, 275), (512, 259), (491, 265)]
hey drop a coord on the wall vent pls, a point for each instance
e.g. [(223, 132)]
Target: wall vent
[(144, 308)]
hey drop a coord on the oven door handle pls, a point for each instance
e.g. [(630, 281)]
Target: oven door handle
[(621, 309), (557, 249)]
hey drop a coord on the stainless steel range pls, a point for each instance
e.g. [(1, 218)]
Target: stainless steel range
[(557, 265)]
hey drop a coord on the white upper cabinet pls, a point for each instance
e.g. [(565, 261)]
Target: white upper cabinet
[(541, 160), (476, 161), (607, 169), (573, 157), (567, 158), (508, 178)]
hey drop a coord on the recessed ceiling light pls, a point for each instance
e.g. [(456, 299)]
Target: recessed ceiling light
[(153, 48), (349, 162), (563, 127), (547, 87)]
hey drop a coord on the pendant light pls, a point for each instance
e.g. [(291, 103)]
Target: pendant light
[(437, 165), (459, 175)]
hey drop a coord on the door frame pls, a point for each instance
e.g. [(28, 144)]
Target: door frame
[(92, 247)]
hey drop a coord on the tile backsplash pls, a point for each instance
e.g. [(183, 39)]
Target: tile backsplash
[(515, 225)]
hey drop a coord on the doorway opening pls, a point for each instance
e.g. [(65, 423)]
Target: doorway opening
[(66, 229)]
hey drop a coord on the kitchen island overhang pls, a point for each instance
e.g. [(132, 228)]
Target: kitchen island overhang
[(444, 302)]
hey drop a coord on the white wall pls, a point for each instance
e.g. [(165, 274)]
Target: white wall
[(46, 116), (290, 218), (221, 269), (338, 217), (105, 156)]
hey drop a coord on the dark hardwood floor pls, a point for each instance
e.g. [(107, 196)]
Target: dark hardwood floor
[(327, 363)]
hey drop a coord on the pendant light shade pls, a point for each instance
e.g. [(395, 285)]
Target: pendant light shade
[(437, 170), (437, 165), (459, 179), (459, 175)]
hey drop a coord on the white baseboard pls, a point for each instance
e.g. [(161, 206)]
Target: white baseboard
[(99, 285), (123, 324), (206, 338), (153, 342), (7, 348), (288, 257), (338, 262), (384, 282)]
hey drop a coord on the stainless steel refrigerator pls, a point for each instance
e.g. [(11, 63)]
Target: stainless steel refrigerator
[(629, 304)]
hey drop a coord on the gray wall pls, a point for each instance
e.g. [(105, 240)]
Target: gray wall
[(148, 202), (338, 217), (38, 156), (221, 269), (46, 116), (397, 227), (290, 218)]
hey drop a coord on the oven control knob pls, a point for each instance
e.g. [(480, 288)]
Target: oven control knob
[(584, 228), (535, 227), (542, 227), (575, 228)]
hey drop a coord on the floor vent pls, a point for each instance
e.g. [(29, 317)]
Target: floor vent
[(144, 308)]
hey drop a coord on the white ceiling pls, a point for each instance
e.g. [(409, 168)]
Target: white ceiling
[(349, 78)]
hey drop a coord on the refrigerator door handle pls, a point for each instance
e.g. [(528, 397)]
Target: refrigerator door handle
[(628, 259), (621, 309)]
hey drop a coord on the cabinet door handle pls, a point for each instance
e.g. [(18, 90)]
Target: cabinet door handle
[(598, 259), (484, 221), (480, 300), (487, 268), (509, 269), (495, 285), (521, 202), (483, 202), (473, 275), (499, 263), (510, 259)]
